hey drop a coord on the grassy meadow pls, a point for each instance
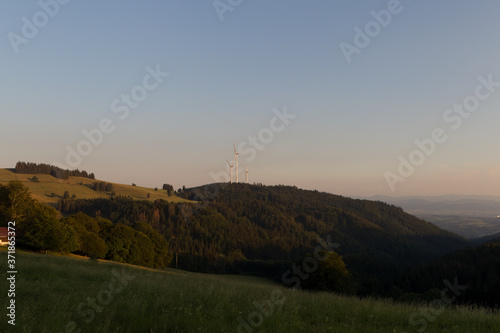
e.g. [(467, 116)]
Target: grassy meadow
[(55, 294), (48, 184)]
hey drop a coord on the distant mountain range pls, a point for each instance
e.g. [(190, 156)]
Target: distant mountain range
[(483, 206), (471, 216)]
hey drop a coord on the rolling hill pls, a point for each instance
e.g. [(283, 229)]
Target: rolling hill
[(80, 186), (249, 229), (255, 229)]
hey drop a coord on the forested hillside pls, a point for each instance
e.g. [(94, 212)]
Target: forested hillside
[(276, 224), (263, 230), (477, 270)]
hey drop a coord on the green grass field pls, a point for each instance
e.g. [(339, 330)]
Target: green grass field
[(47, 184), (55, 294)]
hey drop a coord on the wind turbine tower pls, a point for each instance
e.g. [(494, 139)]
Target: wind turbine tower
[(246, 175), (231, 167), (236, 162)]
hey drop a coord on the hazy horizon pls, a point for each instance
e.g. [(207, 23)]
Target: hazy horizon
[(308, 99)]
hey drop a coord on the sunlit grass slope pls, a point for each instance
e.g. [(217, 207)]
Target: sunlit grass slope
[(81, 187)]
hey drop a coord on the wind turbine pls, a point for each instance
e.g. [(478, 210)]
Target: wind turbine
[(246, 175), (236, 162), (231, 167)]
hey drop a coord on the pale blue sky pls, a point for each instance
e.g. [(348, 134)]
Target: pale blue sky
[(353, 120)]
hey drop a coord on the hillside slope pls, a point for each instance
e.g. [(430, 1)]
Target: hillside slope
[(54, 294), (375, 226), (80, 186), (368, 232)]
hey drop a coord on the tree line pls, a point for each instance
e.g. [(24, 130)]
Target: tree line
[(34, 168), (103, 187)]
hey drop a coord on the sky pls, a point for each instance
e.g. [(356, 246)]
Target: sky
[(356, 98)]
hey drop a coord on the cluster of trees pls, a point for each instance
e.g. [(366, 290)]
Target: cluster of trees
[(65, 195), (34, 168), (103, 187), (137, 244), (37, 225), (204, 233), (322, 271), (39, 228), (169, 188)]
